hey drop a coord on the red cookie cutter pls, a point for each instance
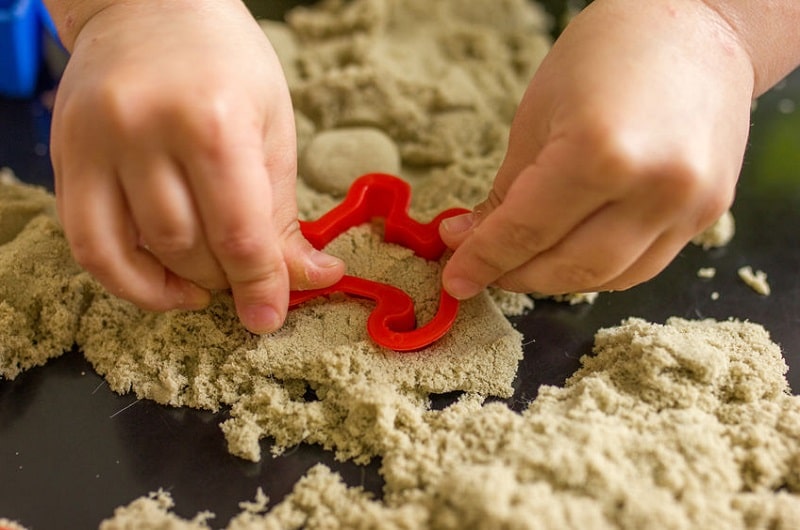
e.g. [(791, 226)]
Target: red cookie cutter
[(392, 323)]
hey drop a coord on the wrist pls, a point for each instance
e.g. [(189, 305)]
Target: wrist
[(767, 31), (70, 16)]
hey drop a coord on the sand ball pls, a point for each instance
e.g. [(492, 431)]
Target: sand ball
[(333, 159)]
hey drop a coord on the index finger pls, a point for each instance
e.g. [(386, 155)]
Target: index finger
[(543, 204)]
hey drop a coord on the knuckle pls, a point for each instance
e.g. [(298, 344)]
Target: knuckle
[(514, 284), (123, 102), (169, 240), (89, 256), (240, 245), (612, 161), (210, 124), (521, 238), (489, 262), (622, 160), (259, 284), (575, 276)]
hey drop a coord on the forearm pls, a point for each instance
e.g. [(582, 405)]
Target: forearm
[(769, 31)]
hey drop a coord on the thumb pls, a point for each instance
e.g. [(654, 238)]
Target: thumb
[(455, 230), (487, 242), (308, 267)]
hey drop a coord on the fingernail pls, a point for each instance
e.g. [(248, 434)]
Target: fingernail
[(462, 289), (260, 318), (459, 223), (322, 260)]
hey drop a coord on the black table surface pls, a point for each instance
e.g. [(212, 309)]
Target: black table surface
[(71, 450)]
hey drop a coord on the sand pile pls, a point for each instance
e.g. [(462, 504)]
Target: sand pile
[(683, 425)]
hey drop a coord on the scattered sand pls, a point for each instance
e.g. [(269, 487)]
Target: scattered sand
[(681, 425), (706, 273), (719, 234), (757, 280), (684, 425)]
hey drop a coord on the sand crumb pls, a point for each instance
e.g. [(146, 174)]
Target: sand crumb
[(757, 280), (576, 298), (7, 524), (718, 234), (706, 273)]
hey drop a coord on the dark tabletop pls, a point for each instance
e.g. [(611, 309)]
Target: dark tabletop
[(71, 450)]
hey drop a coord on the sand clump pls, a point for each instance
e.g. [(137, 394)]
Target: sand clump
[(718, 234), (677, 425), (334, 159), (756, 280), (42, 291)]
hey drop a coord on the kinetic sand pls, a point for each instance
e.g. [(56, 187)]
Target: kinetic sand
[(683, 425), (756, 280)]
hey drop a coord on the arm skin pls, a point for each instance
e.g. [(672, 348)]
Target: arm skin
[(173, 146), (627, 143)]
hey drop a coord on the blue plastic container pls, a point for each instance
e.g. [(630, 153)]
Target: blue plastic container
[(22, 24)]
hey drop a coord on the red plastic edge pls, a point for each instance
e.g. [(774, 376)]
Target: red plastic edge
[(392, 323)]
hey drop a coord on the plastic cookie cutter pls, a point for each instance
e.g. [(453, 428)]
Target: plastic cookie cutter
[(392, 323)]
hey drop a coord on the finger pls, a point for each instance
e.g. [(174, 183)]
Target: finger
[(455, 230), (234, 199), (540, 207), (597, 251), (664, 249), (308, 268), (625, 243), (104, 241), (167, 221), (655, 259)]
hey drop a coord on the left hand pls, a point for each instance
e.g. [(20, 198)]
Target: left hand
[(627, 143)]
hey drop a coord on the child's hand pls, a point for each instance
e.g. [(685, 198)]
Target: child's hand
[(627, 143), (174, 151)]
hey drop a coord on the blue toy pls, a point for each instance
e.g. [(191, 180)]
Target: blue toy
[(24, 25)]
